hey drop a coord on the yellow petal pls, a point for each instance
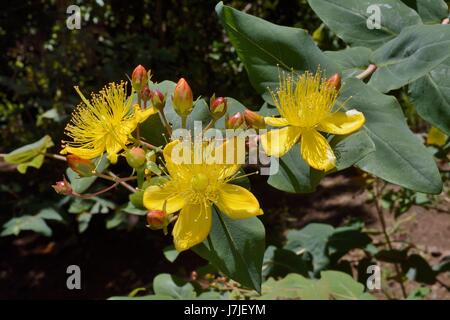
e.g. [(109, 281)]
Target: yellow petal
[(192, 226), (229, 154), (436, 137), (163, 197), (342, 122), (276, 122), (278, 142), (84, 152), (316, 151), (237, 202), (141, 116)]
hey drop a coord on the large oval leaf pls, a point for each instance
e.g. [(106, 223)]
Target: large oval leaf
[(399, 155), (410, 56), (265, 48), (431, 96), (352, 61), (236, 248), (431, 11), (349, 19)]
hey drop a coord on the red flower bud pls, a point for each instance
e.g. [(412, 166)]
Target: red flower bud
[(335, 81), (84, 167), (135, 157), (254, 120), (139, 78), (236, 121), (218, 107), (158, 99), (182, 98), (146, 93), (63, 187), (156, 219)]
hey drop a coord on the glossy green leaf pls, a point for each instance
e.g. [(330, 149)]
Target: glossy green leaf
[(410, 56), (399, 155), (431, 96), (170, 253), (166, 285), (266, 48), (236, 248), (349, 19), (280, 262)]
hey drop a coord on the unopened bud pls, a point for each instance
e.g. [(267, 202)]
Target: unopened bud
[(182, 98), (218, 107), (158, 99), (84, 167), (236, 121), (146, 93), (139, 78), (335, 81), (63, 187), (156, 219), (135, 157), (254, 120)]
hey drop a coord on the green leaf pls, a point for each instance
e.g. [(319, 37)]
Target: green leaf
[(30, 155), (431, 96), (417, 269), (266, 48), (349, 19), (83, 221), (410, 56), (81, 184), (170, 253), (418, 294), (280, 262), (167, 285), (443, 265), (349, 149), (314, 239), (343, 287), (50, 214), (30, 223), (399, 155), (431, 11), (294, 174), (351, 61), (236, 248)]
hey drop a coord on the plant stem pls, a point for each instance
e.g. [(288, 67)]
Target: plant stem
[(210, 125), (379, 210), (165, 122), (122, 181), (183, 122), (370, 69), (55, 156)]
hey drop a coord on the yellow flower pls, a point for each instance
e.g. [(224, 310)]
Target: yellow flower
[(194, 189), (306, 105), (104, 123)]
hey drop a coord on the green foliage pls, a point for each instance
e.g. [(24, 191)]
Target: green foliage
[(36, 223)]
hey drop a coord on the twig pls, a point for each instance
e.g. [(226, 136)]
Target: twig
[(122, 181), (370, 69)]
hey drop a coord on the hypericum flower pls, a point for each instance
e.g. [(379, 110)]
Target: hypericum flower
[(306, 106), (194, 188), (104, 123)]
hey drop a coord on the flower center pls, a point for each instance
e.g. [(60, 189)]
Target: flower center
[(199, 182)]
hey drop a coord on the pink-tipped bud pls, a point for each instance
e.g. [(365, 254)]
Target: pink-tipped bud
[(84, 167), (335, 81), (254, 120), (135, 157), (158, 99), (236, 121), (63, 187), (218, 107), (139, 78), (156, 219), (183, 100)]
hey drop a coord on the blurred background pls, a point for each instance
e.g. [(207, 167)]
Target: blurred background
[(40, 63)]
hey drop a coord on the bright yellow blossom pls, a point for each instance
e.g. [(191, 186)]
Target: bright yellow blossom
[(194, 188), (306, 106), (104, 123)]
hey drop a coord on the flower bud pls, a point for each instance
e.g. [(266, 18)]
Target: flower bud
[(236, 121), (63, 187), (135, 157), (182, 98), (217, 107), (158, 99), (156, 219), (146, 93), (335, 81), (84, 167), (139, 78), (254, 120)]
